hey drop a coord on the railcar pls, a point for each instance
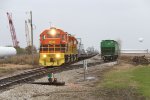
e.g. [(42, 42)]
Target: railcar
[(57, 47), (109, 50)]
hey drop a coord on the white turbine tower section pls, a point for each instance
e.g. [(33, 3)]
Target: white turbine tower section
[(7, 51), (141, 39)]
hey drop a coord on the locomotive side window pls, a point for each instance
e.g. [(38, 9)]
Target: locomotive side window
[(63, 37), (71, 42), (43, 37), (75, 42)]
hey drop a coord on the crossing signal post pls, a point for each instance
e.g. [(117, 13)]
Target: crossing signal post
[(85, 68)]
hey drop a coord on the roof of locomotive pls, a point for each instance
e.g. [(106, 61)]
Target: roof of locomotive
[(108, 43), (58, 30)]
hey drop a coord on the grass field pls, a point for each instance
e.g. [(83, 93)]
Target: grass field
[(137, 77), (21, 59)]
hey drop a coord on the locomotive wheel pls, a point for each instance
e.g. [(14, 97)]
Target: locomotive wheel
[(66, 58), (103, 58), (76, 57), (73, 57)]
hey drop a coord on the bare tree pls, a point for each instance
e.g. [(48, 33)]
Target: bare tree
[(119, 44), (91, 50)]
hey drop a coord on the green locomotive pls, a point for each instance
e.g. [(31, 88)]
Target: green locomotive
[(109, 50)]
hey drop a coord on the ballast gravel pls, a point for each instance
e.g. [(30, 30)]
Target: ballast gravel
[(75, 88)]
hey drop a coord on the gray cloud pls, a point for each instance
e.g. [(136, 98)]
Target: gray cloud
[(92, 20)]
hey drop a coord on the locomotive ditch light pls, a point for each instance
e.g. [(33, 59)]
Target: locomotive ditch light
[(52, 32), (44, 56), (57, 56)]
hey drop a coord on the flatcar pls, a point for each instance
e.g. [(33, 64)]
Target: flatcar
[(109, 50), (57, 47)]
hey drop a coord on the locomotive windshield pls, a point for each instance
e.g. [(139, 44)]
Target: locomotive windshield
[(53, 36)]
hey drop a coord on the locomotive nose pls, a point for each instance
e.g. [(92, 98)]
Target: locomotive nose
[(54, 41)]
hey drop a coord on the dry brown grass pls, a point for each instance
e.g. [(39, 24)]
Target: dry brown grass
[(21, 59), (126, 59), (9, 69)]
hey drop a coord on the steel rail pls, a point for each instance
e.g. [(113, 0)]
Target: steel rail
[(31, 75)]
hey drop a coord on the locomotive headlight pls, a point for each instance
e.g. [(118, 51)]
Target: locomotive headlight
[(44, 56), (57, 55), (52, 32)]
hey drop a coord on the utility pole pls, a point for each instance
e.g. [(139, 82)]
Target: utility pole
[(85, 68), (32, 36)]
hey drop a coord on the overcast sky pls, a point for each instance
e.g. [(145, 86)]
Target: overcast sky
[(91, 20)]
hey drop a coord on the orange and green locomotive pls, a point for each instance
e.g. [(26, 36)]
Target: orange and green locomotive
[(57, 47)]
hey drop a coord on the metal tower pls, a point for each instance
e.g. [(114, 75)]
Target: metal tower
[(12, 31), (27, 33)]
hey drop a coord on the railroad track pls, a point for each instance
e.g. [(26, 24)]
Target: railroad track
[(37, 73)]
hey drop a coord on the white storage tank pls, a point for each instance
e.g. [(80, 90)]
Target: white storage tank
[(7, 51)]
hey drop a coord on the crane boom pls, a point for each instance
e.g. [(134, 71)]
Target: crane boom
[(12, 31)]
